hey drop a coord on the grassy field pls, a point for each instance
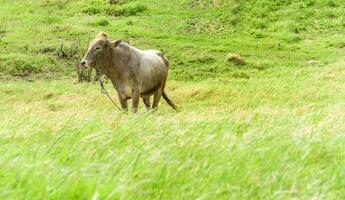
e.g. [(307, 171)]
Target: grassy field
[(271, 129)]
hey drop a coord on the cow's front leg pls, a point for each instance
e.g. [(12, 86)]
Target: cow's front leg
[(123, 102), (135, 100), (147, 103)]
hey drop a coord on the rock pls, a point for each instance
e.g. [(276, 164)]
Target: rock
[(313, 62), (234, 58)]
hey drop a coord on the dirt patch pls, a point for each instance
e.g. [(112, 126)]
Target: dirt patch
[(49, 96)]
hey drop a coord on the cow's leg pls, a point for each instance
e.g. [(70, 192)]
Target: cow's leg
[(147, 103), (123, 103), (135, 100), (156, 98)]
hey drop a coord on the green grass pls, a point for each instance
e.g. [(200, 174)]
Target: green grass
[(271, 129), (262, 138), (265, 33)]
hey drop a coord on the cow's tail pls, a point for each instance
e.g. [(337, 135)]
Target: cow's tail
[(166, 98), (166, 61)]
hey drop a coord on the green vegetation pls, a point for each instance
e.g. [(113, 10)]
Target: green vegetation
[(270, 129), (195, 35)]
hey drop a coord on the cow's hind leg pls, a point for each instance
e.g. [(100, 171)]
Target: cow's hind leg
[(147, 103), (156, 98)]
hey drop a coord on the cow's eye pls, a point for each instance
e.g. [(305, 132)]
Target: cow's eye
[(98, 48)]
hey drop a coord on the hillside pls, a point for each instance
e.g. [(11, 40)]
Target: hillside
[(270, 129), (195, 35)]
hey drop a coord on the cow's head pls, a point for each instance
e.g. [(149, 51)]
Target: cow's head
[(97, 48)]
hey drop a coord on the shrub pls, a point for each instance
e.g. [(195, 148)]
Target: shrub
[(100, 22), (292, 38), (59, 4), (128, 10), (331, 3), (100, 7), (51, 19), (23, 65), (93, 9)]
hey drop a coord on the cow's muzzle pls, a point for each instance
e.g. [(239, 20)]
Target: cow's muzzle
[(84, 64)]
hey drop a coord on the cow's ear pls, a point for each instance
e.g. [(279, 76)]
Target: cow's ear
[(116, 43)]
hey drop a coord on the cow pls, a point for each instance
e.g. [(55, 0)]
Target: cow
[(134, 73)]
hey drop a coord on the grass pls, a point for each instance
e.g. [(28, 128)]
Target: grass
[(266, 34), (270, 129), (262, 138)]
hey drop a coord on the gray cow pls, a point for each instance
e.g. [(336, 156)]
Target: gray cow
[(133, 72)]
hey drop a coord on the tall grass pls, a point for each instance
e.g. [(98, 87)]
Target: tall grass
[(270, 129), (264, 138)]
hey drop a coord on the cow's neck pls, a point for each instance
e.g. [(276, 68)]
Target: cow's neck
[(114, 64)]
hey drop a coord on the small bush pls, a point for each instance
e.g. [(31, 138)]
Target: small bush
[(130, 22), (101, 22), (59, 4), (338, 44), (19, 66), (261, 65), (129, 10), (259, 34), (46, 50), (23, 65), (97, 7), (292, 38), (114, 1), (260, 24), (93, 7), (51, 19), (202, 60), (330, 14), (331, 3), (296, 28), (307, 4), (240, 75), (118, 1), (93, 10)]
